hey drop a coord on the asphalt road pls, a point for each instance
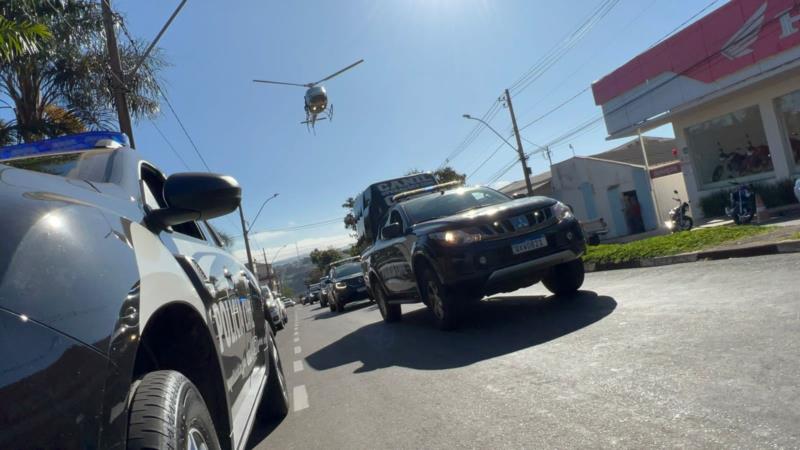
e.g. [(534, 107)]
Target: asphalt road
[(693, 355)]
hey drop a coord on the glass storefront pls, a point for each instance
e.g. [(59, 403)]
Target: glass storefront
[(729, 147), (788, 108)]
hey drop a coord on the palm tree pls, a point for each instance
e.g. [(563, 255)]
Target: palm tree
[(70, 72), (20, 38)]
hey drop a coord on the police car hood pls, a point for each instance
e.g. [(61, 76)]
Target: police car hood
[(57, 249)]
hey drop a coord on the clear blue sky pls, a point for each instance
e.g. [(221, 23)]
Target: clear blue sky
[(427, 63)]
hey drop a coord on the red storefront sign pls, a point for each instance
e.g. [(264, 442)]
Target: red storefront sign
[(668, 169), (735, 36)]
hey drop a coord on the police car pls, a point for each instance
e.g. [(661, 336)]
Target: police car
[(123, 322)]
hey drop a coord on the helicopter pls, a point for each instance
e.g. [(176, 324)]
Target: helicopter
[(316, 98)]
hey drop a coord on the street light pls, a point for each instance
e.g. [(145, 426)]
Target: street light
[(518, 150), (275, 256), (246, 231)]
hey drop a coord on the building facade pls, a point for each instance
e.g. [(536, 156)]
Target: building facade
[(730, 86)]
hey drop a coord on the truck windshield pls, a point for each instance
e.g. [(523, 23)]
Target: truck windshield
[(452, 202), (89, 165), (345, 270)]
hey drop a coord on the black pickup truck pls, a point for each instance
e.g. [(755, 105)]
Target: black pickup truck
[(449, 247), (123, 321)]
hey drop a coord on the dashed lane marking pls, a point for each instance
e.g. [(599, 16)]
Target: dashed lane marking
[(297, 350), (298, 365), (300, 398), (297, 339)]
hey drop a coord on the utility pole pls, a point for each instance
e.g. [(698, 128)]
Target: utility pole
[(521, 152), (117, 78), (549, 156), (250, 264)]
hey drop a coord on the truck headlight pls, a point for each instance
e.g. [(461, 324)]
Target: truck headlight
[(561, 211), (341, 286), (457, 237)]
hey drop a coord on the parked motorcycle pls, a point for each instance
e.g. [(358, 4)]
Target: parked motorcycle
[(679, 219), (742, 204)]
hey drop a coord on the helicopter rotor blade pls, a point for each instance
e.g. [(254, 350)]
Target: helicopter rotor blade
[(282, 83), (339, 72)]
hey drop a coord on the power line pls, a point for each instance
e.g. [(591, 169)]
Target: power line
[(169, 144), (163, 95), (562, 48)]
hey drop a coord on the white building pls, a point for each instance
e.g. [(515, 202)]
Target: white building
[(730, 86), (614, 185)]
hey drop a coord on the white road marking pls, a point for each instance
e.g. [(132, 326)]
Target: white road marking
[(300, 397), (297, 333), (298, 365), (297, 339), (297, 350)]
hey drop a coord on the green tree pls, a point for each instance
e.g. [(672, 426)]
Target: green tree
[(20, 38), (443, 175), (447, 174), (322, 258), (70, 71)]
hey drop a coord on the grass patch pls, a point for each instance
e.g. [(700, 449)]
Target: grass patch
[(796, 235), (673, 244)]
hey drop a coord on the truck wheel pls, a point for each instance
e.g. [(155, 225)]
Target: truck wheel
[(276, 399), (168, 411), (339, 307), (390, 313), (440, 300), (332, 307), (565, 278)]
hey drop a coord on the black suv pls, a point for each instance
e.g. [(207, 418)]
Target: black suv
[(347, 283), (123, 321), (448, 247)]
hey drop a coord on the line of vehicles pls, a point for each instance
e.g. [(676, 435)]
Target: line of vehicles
[(448, 246)]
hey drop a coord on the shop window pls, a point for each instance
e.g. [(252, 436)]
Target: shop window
[(789, 111), (729, 148)]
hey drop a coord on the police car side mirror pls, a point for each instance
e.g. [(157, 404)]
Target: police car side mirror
[(391, 231), (519, 195), (196, 196)]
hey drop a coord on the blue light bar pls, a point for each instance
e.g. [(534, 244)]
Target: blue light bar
[(80, 141)]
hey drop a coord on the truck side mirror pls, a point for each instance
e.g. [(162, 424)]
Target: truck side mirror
[(519, 195), (391, 231)]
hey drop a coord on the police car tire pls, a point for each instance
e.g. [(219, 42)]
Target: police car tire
[(276, 398), (166, 411), (566, 278)]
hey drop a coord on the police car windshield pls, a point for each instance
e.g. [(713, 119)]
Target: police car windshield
[(347, 269), (85, 165), (452, 202)]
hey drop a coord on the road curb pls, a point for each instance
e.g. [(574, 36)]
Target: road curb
[(708, 255)]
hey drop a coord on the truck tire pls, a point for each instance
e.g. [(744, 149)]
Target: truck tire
[(339, 307), (276, 399), (168, 412), (566, 278), (332, 307), (390, 313), (441, 300)]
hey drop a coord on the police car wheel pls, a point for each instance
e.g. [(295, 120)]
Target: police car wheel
[(566, 278), (390, 313), (168, 411), (276, 399)]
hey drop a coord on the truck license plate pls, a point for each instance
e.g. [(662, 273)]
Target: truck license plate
[(529, 245)]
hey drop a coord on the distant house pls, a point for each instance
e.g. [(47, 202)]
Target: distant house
[(539, 182)]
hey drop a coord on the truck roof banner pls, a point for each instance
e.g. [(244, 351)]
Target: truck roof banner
[(740, 41)]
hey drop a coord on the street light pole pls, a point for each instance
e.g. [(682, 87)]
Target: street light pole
[(275, 256), (250, 264), (521, 155)]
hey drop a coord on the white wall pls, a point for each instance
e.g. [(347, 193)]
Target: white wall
[(569, 175), (663, 188)]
